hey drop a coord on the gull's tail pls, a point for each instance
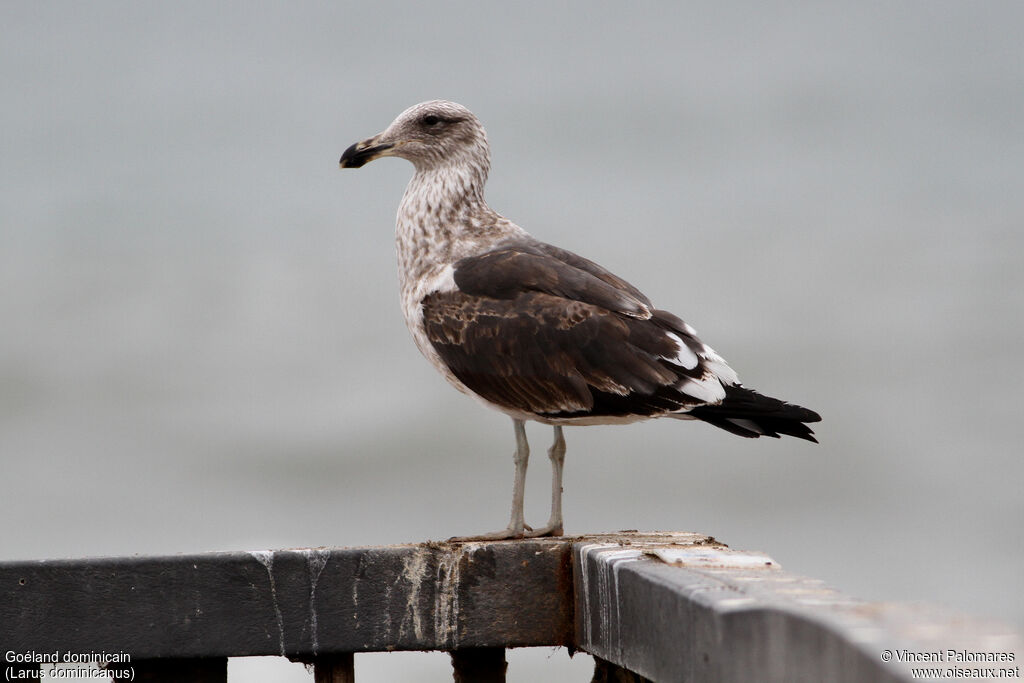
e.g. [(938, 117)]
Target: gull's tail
[(748, 413)]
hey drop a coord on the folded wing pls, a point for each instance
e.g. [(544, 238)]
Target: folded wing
[(540, 330)]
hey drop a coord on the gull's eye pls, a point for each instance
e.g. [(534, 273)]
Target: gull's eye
[(431, 120)]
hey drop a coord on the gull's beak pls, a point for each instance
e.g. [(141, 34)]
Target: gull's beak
[(364, 152)]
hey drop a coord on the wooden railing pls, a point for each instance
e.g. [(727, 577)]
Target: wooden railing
[(661, 607)]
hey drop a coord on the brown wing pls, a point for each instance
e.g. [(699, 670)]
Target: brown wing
[(556, 357), (544, 331), (577, 261), (534, 266)]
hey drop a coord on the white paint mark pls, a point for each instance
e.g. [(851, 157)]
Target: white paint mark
[(316, 560), (707, 557), (414, 567), (266, 558), (610, 555), (355, 591), (387, 612), (735, 603), (442, 569), (585, 574), (615, 563), (446, 599)]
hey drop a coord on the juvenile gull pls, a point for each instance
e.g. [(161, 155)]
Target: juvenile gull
[(535, 331)]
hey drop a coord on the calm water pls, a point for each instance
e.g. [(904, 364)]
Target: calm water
[(202, 347)]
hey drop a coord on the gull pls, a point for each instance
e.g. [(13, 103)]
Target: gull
[(534, 331)]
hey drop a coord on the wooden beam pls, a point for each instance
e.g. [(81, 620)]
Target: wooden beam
[(334, 669), (686, 608), (479, 665), (661, 607), (295, 603), (606, 672)]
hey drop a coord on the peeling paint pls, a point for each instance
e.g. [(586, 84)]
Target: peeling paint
[(266, 558)]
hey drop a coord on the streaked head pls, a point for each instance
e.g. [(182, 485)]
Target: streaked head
[(430, 135)]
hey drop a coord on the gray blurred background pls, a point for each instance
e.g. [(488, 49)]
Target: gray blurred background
[(201, 343)]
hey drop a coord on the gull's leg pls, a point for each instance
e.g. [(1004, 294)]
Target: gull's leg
[(516, 525), (557, 455), (520, 458)]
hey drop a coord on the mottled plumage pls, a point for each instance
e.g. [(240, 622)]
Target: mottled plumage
[(535, 331)]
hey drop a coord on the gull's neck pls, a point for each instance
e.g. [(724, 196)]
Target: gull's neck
[(443, 217), (446, 192)]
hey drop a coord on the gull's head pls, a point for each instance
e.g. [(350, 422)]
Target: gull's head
[(431, 135)]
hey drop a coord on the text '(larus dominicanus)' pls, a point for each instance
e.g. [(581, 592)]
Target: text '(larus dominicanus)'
[(535, 331)]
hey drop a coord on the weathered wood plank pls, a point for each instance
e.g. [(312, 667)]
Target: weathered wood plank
[(664, 607), (334, 669), (297, 603), (479, 665), (683, 609), (606, 672)]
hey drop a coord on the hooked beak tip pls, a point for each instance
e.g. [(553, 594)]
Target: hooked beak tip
[(362, 153)]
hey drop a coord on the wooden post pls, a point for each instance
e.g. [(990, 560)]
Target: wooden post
[(293, 603), (606, 672), (479, 665), (334, 669)]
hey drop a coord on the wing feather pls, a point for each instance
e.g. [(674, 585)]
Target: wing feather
[(512, 269), (542, 354), (539, 330)]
